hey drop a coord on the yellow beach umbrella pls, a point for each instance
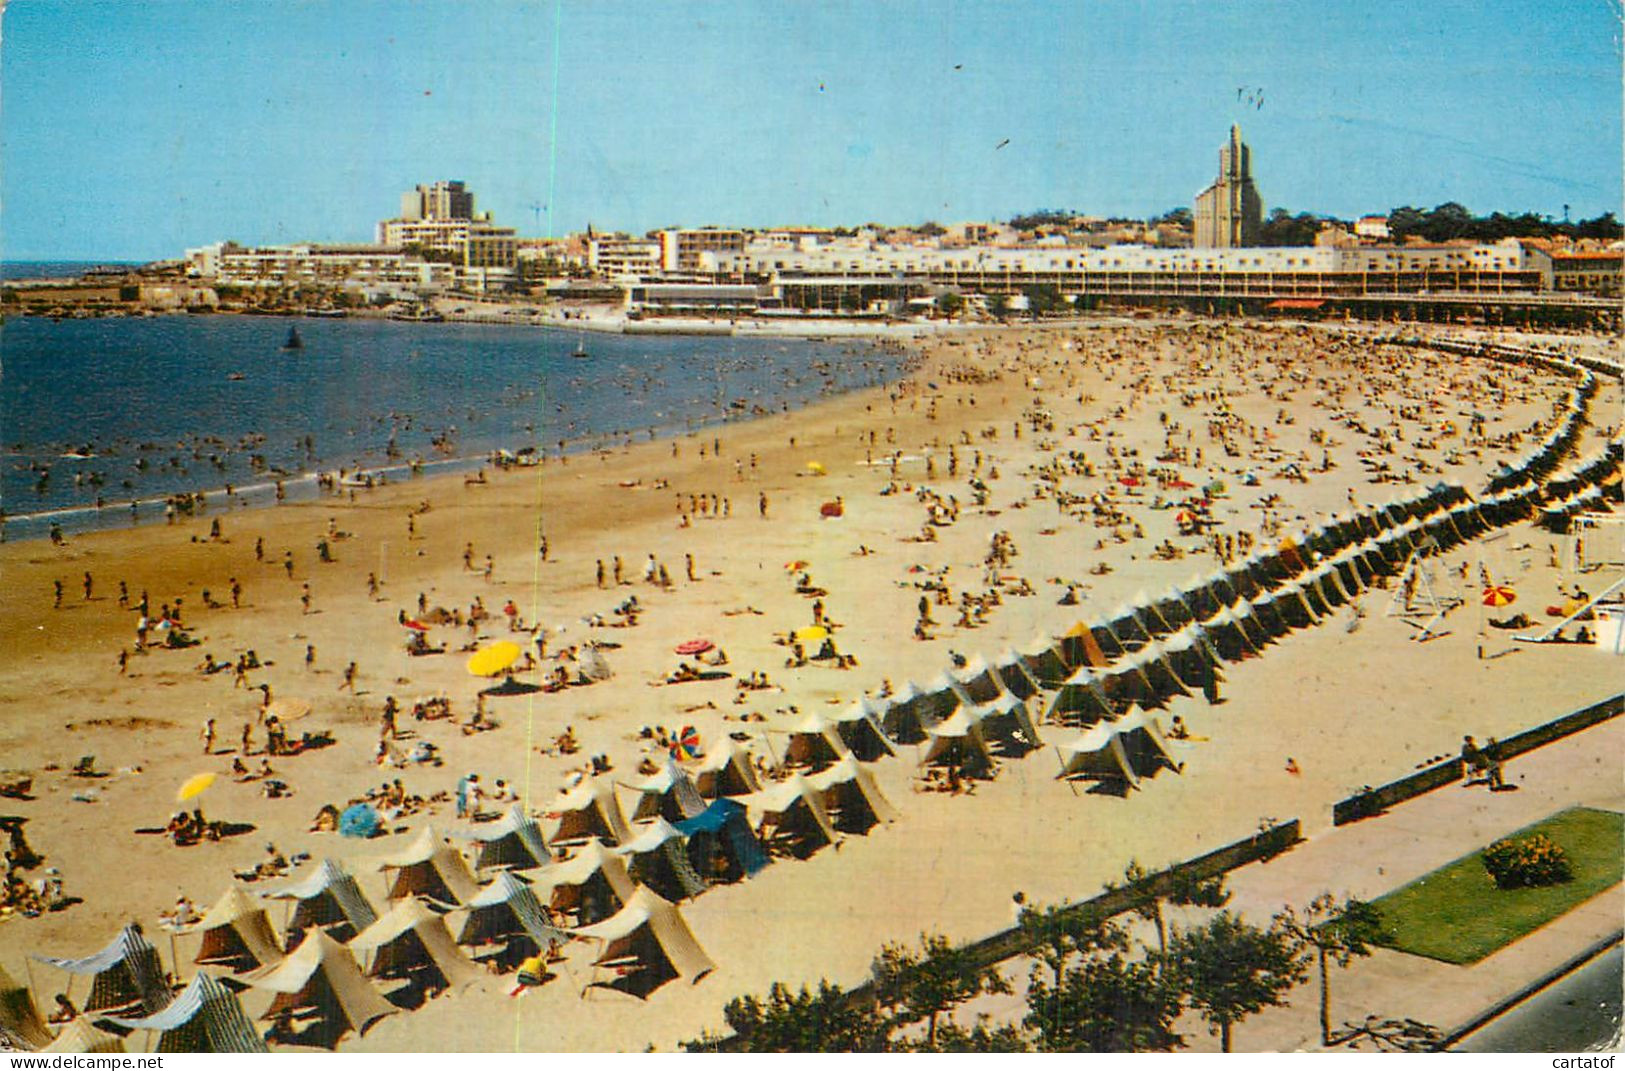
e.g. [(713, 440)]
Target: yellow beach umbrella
[(489, 661), (195, 786), (817, 468), (811, 633), (1497, 596)]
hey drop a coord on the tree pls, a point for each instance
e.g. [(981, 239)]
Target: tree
[(1054, 935), (951, 1037), (998, 305), (950, 304), (1284, 229), (1178, 216), (931, 229), (804, 1021), (1105, 1003), (1043, 298), (1230, 969), (914, 985), (1183, 889), (1332, 930)]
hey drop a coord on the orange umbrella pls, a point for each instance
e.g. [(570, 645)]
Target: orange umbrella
[(1496, 596)]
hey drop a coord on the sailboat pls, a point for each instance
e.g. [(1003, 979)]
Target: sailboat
[(294, 342), (581, 347)]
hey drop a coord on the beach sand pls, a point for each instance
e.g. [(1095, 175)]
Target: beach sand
[(1350, 707)]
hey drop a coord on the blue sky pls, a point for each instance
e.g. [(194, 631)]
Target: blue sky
[(138, 128)]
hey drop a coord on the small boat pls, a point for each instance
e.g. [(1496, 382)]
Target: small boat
[(581, 347), (294, 342), (236, 377)]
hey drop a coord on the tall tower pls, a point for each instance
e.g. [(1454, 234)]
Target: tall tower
[(1229, 213)]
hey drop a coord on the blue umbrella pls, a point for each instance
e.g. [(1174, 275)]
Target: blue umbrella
[(358, 820)]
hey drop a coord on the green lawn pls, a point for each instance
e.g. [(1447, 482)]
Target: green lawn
[(1456, 914)]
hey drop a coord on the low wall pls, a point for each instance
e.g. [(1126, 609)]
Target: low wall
[(1375, 801)]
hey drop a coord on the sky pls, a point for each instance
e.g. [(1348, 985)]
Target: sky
[(139, 128)]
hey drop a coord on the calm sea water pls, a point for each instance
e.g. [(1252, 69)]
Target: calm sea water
[(55, 269), (137, 409)]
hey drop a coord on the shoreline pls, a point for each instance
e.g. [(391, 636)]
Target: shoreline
[(1345, 704)]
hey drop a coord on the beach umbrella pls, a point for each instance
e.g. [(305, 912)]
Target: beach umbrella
[(288, 708), (1129, 481), (694, 647), (687, 744), (817, 468), (194, 786), (415, 626), (1181, 485), (489, 661), (795, 566), (1497, 596), (1185, 518), (358, 820), (811, 633)]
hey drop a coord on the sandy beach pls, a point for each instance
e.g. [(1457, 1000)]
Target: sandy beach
[(1072, 450)]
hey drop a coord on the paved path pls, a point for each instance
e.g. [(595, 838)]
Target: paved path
[(1371, 858)]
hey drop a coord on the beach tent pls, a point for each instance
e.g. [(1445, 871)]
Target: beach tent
[(851, 797), (589, 810), (1012, 672), (1126, 750), (645, 945), (1201, 598), (902, 720), (18, 1015), (658, 857), (726, 770), (977, 680), (591, 885), (721, 845), (507, 912), (1130, 631), (1268, 615), (1174, 608), (83, 1037), (514, 841), (127, 975), (959, 743), (669, 794), (1192, 657), (237, 934), (429, 867), (793, 820), (1043, 662), (1228, 636), (813, 743), (858, 726), (1081, 700), (1240, 580), (206, 1017), (321, 994), (412, 943), (330, 899)]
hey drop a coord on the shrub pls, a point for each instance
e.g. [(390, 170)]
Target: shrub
[(1527, 863)]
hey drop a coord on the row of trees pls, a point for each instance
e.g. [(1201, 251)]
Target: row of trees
[(1089, 989)]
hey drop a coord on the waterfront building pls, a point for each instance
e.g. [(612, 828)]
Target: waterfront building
[(439, 222), (1229, 213), (698, 250)]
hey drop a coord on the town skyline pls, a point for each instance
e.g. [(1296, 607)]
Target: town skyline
[(283, 123)]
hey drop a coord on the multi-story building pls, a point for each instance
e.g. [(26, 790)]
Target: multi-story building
[(362, 267), (620, 257), (1581, 271), (439, 222), (1229, 213), (698, 250), (1372, 228)]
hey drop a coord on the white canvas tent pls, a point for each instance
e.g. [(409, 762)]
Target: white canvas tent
[(726, 770), (591, 885), (793, 820), (237, 934), (645, 945), (429, 867), (320, 994), (1126, 750), (590, 810), (851, 797), (411, 943), (514, 841), (508, 912), (658, 858), (329, 898)]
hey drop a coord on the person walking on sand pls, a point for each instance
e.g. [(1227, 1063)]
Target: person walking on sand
[(688, 563), (236, 594), (248, 738), (123, 661), (287, 563), (349, 678), (89, 583), (372, 585), (761, 503), (304, 598), (123, 595), (468, 557), (310, 657), (208, 737), (620, 571), (58, 586), (600, 573)]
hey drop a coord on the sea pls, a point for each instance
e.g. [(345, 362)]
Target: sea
[(131, 411)]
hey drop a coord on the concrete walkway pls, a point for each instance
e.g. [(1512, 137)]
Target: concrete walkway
[(1374, 857)]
